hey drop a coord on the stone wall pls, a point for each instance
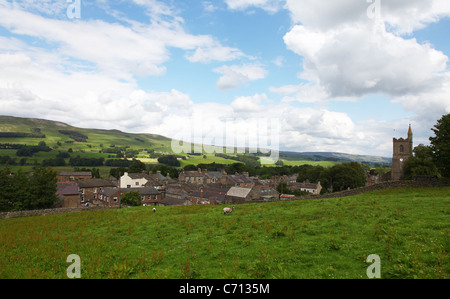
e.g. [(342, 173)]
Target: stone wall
[(421, 182), (49, 212), (424, 182)]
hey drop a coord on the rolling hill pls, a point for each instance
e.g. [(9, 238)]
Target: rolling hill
[(63, 137)]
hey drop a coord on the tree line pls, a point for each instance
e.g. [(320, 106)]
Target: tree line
[(432, 160), (21, 191)]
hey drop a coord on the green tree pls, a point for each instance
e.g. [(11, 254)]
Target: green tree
[(421, 163), (42, 189), (348, 175), (169, 160), (117, 172), (7, 190), (131, 198), (137, 166), (440, 145)]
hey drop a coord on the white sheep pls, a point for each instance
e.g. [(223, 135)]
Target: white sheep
[(154, 210), (228, 210)]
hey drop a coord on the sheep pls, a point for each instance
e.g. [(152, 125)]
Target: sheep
[(154, 210), (228, 210)]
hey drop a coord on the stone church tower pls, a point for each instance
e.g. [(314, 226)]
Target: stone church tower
[(403, 150)]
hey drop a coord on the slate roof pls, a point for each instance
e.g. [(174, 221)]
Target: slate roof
[(240, 178), (109, 191), (171, 201), (92, 183), (210, 195), (67, 173), (239, 192), (144, 190), (67, 189)]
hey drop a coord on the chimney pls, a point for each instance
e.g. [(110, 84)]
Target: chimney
[(200, 170), (158, 171)]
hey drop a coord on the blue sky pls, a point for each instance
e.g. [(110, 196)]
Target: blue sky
[(344, 76)]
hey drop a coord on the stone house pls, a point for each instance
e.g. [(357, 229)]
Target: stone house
[(202, 177), (239, 195), (141, 180), (239, 180), (68, 194), (193, 177), (110, 197), (266, 193), (171, 201), (306, 186), (149, 195), (89, 190), (209, 196)]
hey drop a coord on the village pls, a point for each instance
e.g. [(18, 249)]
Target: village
[(201, 187)]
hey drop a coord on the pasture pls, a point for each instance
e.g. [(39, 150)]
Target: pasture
[(314, 238)]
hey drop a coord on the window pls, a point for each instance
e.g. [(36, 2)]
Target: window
[(402, 148), (137, 183), (115, 198), (128, 186), (143, 198)]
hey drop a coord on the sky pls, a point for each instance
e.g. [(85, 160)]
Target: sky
[(301, 75)]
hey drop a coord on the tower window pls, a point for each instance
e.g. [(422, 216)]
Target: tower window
[(402, 149)]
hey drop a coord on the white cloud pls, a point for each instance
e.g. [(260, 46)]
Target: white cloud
[(214, 52), (402, 16), (270, 6), (357, 60), (238, 75), (209, 6), (123, 51), (249, 104)]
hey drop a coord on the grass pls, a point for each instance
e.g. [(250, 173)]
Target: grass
[(326, 238)]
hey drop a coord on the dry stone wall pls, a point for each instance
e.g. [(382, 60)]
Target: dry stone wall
[(49, 212), (417, 183)]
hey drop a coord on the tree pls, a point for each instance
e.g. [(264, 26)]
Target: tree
[(42, 189), (137, 166), (440, 145), (347, 175), (169, 160), (7, 193), (131, 198), (421, 163)]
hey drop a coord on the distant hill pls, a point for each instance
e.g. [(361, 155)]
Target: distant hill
[(70, 136), (342, 157), (61, 136)]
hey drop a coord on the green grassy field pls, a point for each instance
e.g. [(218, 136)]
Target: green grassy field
[(325, 238)]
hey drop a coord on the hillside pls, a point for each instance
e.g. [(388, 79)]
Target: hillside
[(313, 238), (96, 143), (54, 132), (332, 156)]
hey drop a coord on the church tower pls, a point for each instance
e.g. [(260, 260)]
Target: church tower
[(403, 150)]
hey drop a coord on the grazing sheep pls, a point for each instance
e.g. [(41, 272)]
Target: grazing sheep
[(154, 210), (228, 210)]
